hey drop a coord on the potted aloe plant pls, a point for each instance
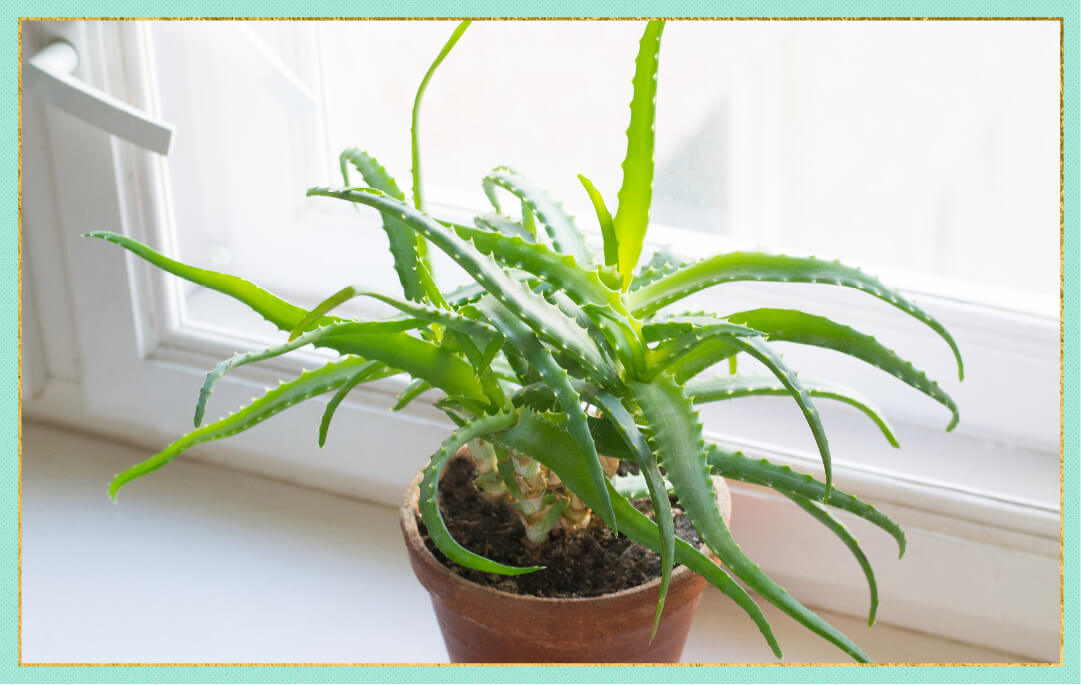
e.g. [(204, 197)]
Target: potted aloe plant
[(558, 366)]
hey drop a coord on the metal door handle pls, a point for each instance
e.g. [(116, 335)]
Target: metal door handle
[(48, 75)]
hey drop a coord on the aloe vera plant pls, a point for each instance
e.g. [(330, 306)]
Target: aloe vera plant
[(559, 362)]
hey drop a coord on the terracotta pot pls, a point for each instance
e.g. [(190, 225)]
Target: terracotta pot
[(484, 625)]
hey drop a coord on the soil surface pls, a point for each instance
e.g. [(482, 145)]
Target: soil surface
[(590, 563)]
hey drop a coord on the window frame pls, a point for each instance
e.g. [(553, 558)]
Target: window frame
[(123, 362)]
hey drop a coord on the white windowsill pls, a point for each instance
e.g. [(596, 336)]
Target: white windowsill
[(204, 564)]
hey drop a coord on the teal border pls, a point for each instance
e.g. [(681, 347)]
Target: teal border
[(9, 217)]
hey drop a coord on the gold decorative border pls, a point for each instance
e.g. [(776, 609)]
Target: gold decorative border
[(1062, 255)]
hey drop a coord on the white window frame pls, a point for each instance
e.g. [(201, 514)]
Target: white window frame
[(115, 358)]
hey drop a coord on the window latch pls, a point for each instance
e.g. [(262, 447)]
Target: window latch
[(48, 75)]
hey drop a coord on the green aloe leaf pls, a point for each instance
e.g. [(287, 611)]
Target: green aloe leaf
[(604, 218), (419, 359), (614, 334), (752, 266), (825, 518), (734, 465), (622, 420), (669, 355), (582, 318), (523, 372), (676, 437), (788, 378), (429, 497), (412, 309), (636, 193), (737, 466), (689, 343), (412, 267), (305, 386), (541, 316), (664, 327), (416, 388), (418, 186), (549, 443), (312, 337), (663, 262), (529, 221), (368, 372), (274, 309), (470, 292), (480, 361), (558, 270), (414, 139), (640, 528), (634, 486), (529, 346), (701, 356), (397, 350), (497, 223), (623, 334), (732, 387), (791, 325), (539, 397), (565, 236)]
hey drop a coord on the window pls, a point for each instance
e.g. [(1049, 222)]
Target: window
[(926, 152), (923, 151), (873, 146)]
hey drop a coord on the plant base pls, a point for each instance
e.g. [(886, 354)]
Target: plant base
[(485, 625)]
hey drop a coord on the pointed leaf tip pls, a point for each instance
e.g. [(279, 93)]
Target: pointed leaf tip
[(604, 218), (635, 195)]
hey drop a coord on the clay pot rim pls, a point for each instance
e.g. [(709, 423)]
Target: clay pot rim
[(409, 513)]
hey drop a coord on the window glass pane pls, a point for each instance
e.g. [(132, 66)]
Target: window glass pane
[(247, 103), (926, 152), (927, 147)]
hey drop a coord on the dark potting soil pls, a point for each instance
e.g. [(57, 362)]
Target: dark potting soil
[(589, 563)]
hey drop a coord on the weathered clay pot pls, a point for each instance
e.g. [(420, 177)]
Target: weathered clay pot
[(484, 625)]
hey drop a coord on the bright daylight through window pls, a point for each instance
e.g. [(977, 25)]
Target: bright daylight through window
[(926, 152), (806, 137)]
